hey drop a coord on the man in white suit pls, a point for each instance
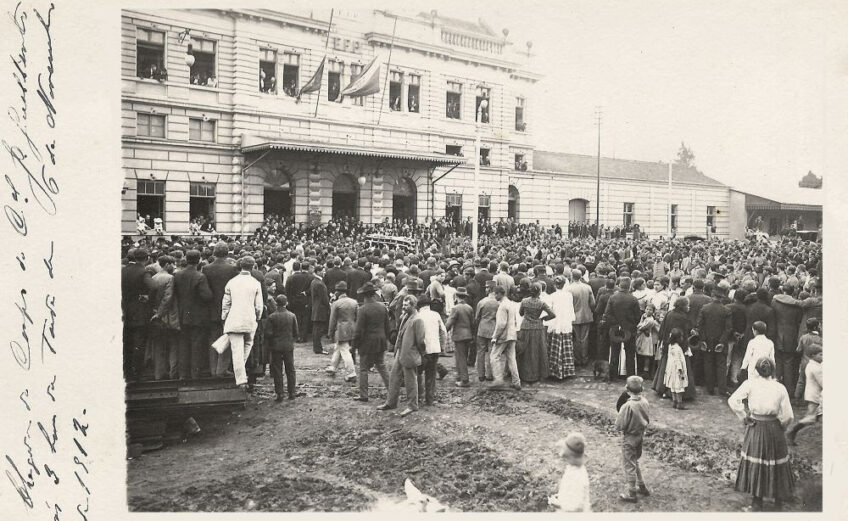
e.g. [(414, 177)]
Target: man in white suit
[(240, 311)]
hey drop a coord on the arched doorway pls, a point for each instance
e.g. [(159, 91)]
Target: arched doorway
[(512, 203), (345, 197), (278, 195), (404, 200), (577, 210)]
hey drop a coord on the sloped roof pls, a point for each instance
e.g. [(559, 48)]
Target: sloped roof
[(479, 27), (786, 197), (629, 169)]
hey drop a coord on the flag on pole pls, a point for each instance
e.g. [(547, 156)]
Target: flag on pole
[(365, 83), (314, 83)]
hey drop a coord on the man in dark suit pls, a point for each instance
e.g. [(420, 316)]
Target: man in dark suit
[(335, 273), (460, 324), (319, 304), (602, 341), (218, 273), (486, 272), (759, 310), (193, 300), (788, 313), (136, 284), (623, 310), (280, 332), (429, 272), (697, 300), (738, 315), (370, 338), (356, 278), (475, 290), (297, 291), (714, 325)]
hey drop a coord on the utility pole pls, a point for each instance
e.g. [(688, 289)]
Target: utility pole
[(598, 116)]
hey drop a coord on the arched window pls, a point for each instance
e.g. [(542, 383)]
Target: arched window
[(512, 203)]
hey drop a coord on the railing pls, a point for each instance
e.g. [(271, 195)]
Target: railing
[(470, 42)]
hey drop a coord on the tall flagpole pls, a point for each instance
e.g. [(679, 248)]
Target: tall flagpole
[(326, 46), (668, 196), (598, 113), (388, 73)]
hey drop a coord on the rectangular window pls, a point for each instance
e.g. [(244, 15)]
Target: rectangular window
[(268, 71), (150, 54), (482, 105), (203, 71), (453, 150), (628, 214), (150, 201), (201, 205), (150, 125), (454, 100), (520, 162), (484, 157), (520, 125), (453, 207), (356, 70), (711, 223), (201, 130), (334, 80), (291, 69), (396, 91), (673, 217), (413, 98)]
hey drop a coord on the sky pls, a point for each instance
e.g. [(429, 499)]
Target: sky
[(744, 85)]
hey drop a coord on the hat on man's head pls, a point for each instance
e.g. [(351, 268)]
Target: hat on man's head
[(461, 292), (366, 288), (413, 285), (490, 284), (341, 286)]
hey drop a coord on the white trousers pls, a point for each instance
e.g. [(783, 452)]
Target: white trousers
[(240, 344), (341, 353)]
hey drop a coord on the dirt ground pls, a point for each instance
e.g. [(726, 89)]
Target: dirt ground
[(475, 450)]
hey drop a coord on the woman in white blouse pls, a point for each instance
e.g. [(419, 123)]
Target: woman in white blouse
[(764, 467)]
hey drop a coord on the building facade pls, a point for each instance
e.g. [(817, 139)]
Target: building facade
[(213, 127)]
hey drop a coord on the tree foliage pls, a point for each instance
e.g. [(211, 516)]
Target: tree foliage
[(685, 156)]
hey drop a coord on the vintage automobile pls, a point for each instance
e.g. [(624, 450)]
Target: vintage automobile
[(404, 244)]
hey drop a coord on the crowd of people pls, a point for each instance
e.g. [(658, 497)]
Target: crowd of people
[(531, 304)]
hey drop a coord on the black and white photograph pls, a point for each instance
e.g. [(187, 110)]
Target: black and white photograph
[(434, 257)]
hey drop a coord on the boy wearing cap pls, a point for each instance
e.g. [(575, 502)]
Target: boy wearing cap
[(280, 334), (573, 493), (632, 421)]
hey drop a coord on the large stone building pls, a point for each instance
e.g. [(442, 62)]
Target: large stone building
[(213, 127)]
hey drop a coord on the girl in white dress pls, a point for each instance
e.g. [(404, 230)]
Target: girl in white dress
[(676, 378)]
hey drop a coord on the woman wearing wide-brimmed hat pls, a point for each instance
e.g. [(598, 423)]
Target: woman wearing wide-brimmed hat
[(764, 470)]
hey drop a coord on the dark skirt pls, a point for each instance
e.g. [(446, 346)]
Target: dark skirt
[(764, 468), (560, 355), (532, 355), (659, 377)]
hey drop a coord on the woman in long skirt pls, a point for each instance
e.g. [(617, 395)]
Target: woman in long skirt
[(531, 348), (764, 470)]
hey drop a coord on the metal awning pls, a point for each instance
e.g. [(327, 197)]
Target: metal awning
[(322, 148), (783, 206)]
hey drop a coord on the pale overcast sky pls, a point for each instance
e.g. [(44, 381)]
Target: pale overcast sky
[(750, 87), (743, 84)]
